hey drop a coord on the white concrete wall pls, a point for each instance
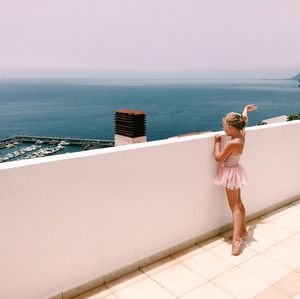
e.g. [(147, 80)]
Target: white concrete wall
[(277, 119), (65, 220)]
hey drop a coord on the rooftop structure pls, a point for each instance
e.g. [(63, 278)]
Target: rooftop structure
[(130, 127)]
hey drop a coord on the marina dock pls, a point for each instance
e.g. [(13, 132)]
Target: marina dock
[(29, 147), (96, 143)]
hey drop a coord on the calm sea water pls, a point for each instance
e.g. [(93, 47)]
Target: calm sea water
[(85, 107)]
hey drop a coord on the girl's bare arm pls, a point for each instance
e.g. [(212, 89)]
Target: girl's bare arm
[(230, 146), (248, 108)]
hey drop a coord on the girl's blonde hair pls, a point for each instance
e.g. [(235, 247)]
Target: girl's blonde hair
[(236, 120)]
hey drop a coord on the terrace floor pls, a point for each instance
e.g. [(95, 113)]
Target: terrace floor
[(268, 266)]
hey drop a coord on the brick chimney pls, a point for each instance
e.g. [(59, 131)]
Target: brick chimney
[(130, 127)]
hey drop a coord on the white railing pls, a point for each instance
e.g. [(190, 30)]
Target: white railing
[(69, 219)]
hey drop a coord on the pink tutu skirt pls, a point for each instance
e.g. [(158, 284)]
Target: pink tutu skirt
[(231, 177)]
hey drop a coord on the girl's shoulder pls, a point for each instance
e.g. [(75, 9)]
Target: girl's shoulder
[(237, 144), (237, 141), (233, 144)]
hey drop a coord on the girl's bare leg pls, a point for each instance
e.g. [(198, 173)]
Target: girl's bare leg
[(244, 231), (233, 201)]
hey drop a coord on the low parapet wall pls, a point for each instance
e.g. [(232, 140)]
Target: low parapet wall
[(69, 219)]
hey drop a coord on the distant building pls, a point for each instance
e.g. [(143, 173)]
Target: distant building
[(276, 119)]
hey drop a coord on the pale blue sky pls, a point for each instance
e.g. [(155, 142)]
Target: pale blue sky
[(149, 35)]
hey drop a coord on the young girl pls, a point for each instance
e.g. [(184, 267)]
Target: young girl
[(231, 174)]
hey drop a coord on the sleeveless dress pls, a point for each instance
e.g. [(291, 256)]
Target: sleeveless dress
[(231, 174)]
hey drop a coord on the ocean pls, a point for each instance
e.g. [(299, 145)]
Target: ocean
[(85, 108)]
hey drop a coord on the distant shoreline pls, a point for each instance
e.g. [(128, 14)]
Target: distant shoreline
[(140, 79), (250, 74)]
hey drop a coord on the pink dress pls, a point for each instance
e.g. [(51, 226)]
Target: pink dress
[(231, 174)]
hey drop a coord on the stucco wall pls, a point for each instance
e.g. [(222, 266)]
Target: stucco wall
[(65, 220)]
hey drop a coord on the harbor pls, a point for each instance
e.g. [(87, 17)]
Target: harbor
[(28, 147)]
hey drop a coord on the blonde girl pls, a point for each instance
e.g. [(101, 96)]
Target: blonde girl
[(231, 174)]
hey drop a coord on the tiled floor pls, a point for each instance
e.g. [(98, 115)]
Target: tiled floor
[(267, 268)]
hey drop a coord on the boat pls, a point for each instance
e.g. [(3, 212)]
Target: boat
[(64, 142)]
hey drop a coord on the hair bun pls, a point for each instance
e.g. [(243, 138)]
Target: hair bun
[(236, 120), (244, 118)]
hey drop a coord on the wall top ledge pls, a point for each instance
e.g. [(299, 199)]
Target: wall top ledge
[(68, 156)]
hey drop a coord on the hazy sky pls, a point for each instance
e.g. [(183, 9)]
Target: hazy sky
[(150, 35)]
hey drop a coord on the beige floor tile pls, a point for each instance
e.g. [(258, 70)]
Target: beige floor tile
[(272, 293), (210, 243), (284, 254), (224, 252), (277, 213), (111, 297), (296, 203), (265, 268), (144, 289), (228, 235), (178, 279), (186, 273), (253, 227), (240, 283), (256, 222), (126, 280), (187, 253), (274, 231), (289, 221), (97, 293), (291, 207), (290, 284), (207, 264), (295, 211), (293, 241), (159, 266), (297, 296), (259, 242), (207, 291)]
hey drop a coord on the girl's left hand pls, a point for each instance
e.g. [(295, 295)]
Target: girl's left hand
[(251, 107), (218, 138)]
